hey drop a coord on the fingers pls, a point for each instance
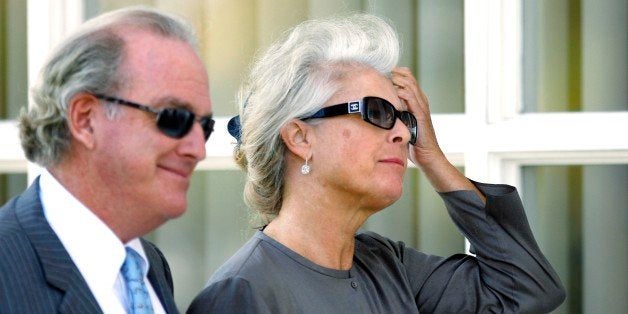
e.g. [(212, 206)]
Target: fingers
[(426, 153), (403, 78), (408, 88), (409, 91)]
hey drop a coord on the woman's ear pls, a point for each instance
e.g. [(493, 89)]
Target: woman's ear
[(81, 110), (298, 137)]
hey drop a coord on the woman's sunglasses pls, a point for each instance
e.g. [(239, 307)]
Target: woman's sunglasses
[(376, 111), (173, 122)]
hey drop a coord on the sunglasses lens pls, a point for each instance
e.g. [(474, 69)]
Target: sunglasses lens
[(208, 127), (175, 122), (380, 113), (410, 121)]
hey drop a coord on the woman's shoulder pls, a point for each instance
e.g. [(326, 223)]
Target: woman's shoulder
[(379, 249), (249, 279), (248, 259), (260, 261), (373, 239), (372, 243)]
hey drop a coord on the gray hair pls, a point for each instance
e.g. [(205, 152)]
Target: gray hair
[(293, 79), (88, 61)]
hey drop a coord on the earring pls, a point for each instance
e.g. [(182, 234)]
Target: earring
[(305, 169)]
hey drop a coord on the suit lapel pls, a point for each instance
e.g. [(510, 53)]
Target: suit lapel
[(159, 277), (58, 267)]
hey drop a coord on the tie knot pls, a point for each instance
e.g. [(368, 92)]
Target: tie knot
[(132, 267), (137, 293)]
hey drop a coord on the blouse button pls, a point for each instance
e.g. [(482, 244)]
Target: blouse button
[(354, 285)]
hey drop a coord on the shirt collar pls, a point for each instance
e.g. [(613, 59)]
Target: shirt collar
[(95, 249)]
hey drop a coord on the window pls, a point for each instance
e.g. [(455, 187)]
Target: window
[(528, 93)]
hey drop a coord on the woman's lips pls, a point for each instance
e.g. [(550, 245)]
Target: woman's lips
[(394, 160)]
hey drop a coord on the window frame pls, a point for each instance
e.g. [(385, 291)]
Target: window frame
[(498, 139)]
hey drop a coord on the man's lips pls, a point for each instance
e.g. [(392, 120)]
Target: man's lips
[(180, 171)]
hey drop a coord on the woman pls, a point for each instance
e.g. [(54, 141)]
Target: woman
[(327, 125)]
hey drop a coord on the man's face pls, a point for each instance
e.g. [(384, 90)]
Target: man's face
[(148, 171)]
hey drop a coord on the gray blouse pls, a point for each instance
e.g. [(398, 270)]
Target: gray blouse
[(507, 274)]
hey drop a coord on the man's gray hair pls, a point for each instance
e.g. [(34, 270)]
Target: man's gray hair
[(88, 61), (293, 79)]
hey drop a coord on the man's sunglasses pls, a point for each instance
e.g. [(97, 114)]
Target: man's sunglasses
[(376, 111), (173, 122)]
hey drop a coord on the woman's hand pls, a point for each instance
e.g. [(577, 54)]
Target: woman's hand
[(426, 150), (426, 153)]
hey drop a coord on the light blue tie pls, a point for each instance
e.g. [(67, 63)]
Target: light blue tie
[(137, 294)]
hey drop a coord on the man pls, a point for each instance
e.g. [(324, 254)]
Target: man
[(119, 120)]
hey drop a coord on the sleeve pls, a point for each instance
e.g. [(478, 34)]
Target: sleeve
[(231, 295), (508, 272)]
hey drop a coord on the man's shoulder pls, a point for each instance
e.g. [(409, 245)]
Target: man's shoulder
[(24, 201), (20, 208), (17, 250), (9, 224), (18, 253)]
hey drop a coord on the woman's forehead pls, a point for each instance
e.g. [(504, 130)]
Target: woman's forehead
[(360, 83)]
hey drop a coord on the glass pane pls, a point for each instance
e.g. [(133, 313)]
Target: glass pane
[(13, 70), (579, 215), (436, 232), (11, 185), (3, 59), (574, 55), (440, 53)]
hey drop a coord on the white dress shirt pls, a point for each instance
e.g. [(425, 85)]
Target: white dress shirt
[(97, 252)]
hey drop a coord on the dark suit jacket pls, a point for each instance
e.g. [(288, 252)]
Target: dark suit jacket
[(37, 274)]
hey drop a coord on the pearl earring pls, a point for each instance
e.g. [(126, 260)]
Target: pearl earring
[(305, 169)]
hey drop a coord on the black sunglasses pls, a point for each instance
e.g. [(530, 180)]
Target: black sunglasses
[(173, 122), (376, 111)]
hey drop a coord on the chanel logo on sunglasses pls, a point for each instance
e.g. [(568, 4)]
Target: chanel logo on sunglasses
[(354, 106)]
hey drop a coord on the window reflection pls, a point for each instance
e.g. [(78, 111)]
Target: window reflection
[(574, 56), (579, 216)]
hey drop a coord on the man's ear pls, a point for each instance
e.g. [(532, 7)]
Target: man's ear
[(81, 114), (298, 137)]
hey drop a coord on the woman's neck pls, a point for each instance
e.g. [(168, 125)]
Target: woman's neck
[(322, 233)]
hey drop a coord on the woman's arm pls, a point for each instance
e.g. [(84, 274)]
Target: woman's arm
[(508, 274), (426, 154)]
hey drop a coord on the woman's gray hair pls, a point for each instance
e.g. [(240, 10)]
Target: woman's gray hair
[(294, 78), (88, 61)]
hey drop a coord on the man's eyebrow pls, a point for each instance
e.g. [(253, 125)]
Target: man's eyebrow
[(174, 102), (170, 101)]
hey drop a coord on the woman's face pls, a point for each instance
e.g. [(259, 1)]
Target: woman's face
[(353, 157)]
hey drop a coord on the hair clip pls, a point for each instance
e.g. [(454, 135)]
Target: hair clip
[(234, 128)]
